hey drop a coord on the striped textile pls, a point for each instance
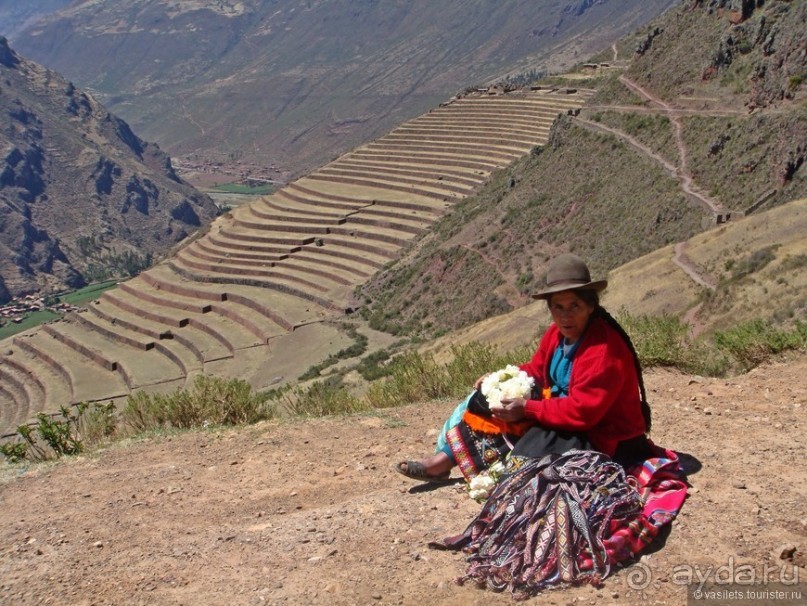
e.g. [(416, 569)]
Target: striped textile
[(567, 519)]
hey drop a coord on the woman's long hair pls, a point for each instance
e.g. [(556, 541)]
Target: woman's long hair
[(592, 297)]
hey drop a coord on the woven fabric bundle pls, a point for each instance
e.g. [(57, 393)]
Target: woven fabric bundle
[(546, 523)]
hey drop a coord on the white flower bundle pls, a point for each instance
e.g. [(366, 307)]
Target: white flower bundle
[(509, 382), (480, 487)]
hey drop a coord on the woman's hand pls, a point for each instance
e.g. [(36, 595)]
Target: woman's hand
[(513, 410), (478, 383)]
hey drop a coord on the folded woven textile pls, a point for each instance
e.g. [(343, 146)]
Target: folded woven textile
[(567, 519)]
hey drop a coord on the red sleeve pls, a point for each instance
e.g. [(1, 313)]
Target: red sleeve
[(597, 379)]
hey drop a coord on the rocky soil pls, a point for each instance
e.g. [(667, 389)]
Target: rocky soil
[(310, 512)]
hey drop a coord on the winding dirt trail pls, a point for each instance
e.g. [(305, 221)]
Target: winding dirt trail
[(683, 171), (684, 262)]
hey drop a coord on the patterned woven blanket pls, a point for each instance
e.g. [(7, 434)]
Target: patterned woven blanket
[(568, 519)]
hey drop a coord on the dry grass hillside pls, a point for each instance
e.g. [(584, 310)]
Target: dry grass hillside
[(754, 268), (675, 140)]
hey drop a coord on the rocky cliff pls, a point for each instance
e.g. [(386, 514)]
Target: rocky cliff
[(80, 194)]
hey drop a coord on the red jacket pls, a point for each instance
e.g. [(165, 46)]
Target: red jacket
[(603, 401)]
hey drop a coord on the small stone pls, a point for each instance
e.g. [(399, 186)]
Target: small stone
[(786, 551), (692, 489), (315, 560), (708, 410), (615, 594), (777, 426), (98, 544), (738, 484), (233, 462), (415, 556), (376, 596)]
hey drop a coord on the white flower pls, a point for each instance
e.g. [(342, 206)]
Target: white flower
[(482, 482), (480, 487), (507, 383), (478, 495)]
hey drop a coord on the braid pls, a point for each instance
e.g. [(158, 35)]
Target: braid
[(618, 328)]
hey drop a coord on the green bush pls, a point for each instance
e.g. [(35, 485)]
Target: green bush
[(322, 398), (68, 433), (372, 366), (358, 347), (14, 452), (212, 401), (659, 340), (414, 377), (754, 342)]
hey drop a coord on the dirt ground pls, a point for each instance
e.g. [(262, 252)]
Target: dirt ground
[(310, 512)]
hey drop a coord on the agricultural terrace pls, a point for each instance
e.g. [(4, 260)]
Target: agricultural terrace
[(251, 297)]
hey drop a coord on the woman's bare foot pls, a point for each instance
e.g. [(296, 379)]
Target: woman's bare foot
[(434, 468)]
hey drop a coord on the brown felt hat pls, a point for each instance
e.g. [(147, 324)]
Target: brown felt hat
[(568, 272)]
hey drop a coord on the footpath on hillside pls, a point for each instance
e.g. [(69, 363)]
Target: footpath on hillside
[(680, 170), (309, 512)]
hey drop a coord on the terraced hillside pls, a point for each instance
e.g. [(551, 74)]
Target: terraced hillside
[(253, 296)]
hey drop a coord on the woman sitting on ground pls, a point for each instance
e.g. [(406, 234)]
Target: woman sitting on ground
[(589, 393)]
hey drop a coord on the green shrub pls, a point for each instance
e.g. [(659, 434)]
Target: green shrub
[(14, 452), (212, 401), (416, 377), (321, 398), (68, 433), (358, 347), (372, 366), (659, 340), (98, 422), (754, 342), (664, 341)]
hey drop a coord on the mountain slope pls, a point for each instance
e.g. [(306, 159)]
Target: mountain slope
[(78, 190), (658, 154), (280, 88), (16, 16)]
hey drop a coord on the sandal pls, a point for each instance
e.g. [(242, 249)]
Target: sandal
[(416, 470)]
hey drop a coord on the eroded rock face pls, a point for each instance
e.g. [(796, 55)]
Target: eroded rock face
[(7, 56), (77, 185), (767, 40)]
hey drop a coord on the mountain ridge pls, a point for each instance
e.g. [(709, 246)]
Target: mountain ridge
[(260, 86), (78, 189)]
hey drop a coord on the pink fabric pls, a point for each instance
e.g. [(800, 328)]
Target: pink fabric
[(660, 482)]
